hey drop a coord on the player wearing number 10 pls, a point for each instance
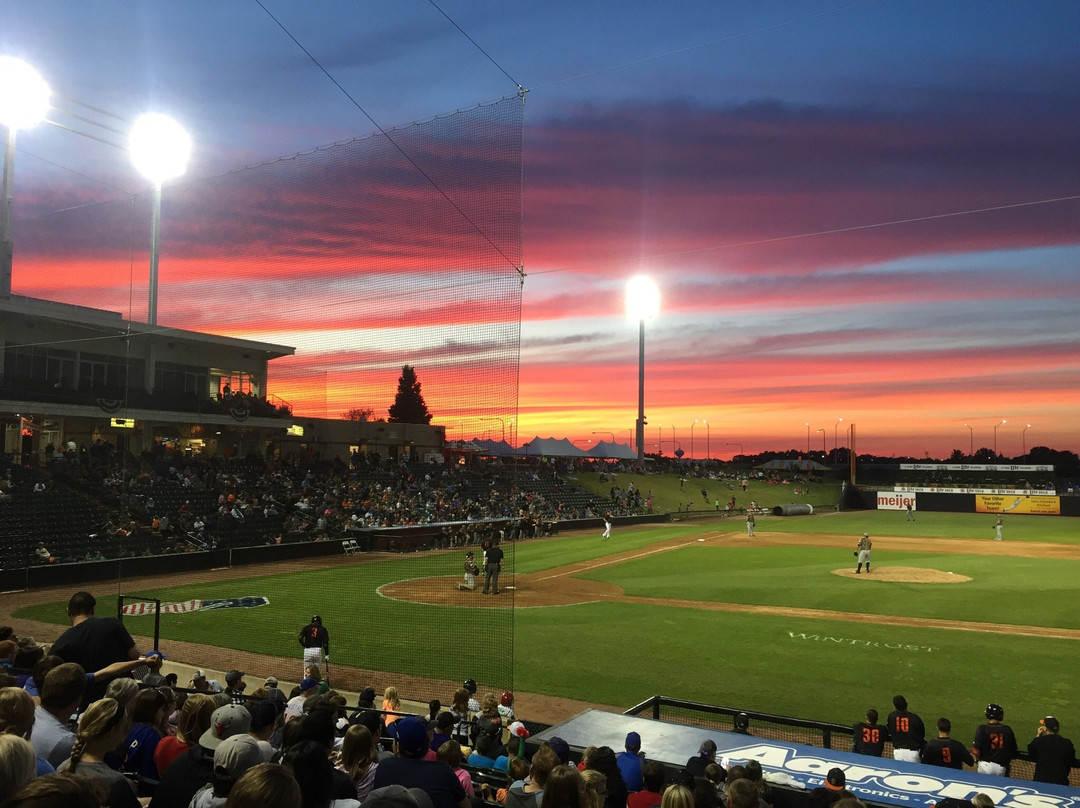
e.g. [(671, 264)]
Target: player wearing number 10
[(906, 731), (869, 736)]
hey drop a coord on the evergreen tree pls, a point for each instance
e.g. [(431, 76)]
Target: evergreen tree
[(409, 406)]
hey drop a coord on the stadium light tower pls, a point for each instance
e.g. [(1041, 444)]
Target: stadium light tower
[(1003, 421), (642, 303), (160, 149), (822, 431), (971, 440), (24, 100), (1023, 441), (808, 437)]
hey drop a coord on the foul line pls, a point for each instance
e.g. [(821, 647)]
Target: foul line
[(616, 559)]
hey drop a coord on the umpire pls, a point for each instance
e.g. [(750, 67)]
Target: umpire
[(492, 567), (316, 642)]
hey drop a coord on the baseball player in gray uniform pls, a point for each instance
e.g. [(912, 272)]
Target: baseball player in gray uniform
[(864, 553)]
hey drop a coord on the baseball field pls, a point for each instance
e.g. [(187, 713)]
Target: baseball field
[(778, 623)]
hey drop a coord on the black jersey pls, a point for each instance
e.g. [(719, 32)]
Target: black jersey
[(869, 739), (313, 635)]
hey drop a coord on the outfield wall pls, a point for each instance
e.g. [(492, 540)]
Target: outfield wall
[(972, 501)]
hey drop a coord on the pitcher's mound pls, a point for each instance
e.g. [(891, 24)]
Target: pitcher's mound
[(904, 575)]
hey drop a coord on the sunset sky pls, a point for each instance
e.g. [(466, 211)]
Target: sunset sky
[(866, 211)]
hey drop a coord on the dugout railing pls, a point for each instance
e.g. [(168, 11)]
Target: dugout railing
[(824, 734)]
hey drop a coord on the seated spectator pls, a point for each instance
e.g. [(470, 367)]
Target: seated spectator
[(61, 791), (450, 754), (566, 788), (193, 721), (830, 792), (631, 761), (483, 756), (194, 768), (444, 726), (652, 776), (267, 784), (530, 793), (17, 718), (360, 759), (677, 796), (143, 738), (756, 776), (62, 694), (295, 707), (313, 772), (266, 720), (391, 704), (232, 759), (706, 755), (595, 788), (318, 727), (17, 763), (101, 729), (408, 768), (603, 761), (562, 749)]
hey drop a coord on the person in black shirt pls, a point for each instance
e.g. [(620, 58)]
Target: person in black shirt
[(906, 731), (869, 736), (93, 642), (316, 642), (1053, 754), (492, 567), (995, 743), (945, 751)]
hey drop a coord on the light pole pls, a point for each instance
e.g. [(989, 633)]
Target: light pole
[(835, 441), (692, 439), (1003, 421), (673, 438), (24, 100), (971, 441), (630, 436), (822, 431), (159, 149), (1023, 441), (808, 437), (605, 432), (642, 303), (502, 423), (708, 437), (660, 439)]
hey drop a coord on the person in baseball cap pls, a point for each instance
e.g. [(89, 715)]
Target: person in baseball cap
[(232, 719), (234, 756), (412, 737), (271, 681)]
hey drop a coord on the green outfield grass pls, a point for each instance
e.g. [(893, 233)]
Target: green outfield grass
[(621, 653), (1021, 527)]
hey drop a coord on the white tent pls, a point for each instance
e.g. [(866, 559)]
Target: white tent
[(550, 447), (607, 449)]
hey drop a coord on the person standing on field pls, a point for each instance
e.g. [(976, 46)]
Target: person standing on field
[(998, 528), (750, 523), (863, 552), (910, 513)]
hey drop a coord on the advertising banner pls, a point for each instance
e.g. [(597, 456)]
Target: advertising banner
[(990, 503), (895, 502)]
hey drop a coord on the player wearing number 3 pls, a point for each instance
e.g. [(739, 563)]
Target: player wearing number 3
[(316, 642)]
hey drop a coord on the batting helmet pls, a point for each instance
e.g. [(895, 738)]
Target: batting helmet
[(507, 699), (316, 619), (995, 712), (470, 685)]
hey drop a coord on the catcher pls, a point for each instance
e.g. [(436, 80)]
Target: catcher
[(471, 571), (863, 553)]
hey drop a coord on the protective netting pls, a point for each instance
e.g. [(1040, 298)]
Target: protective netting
[(386, 250)]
